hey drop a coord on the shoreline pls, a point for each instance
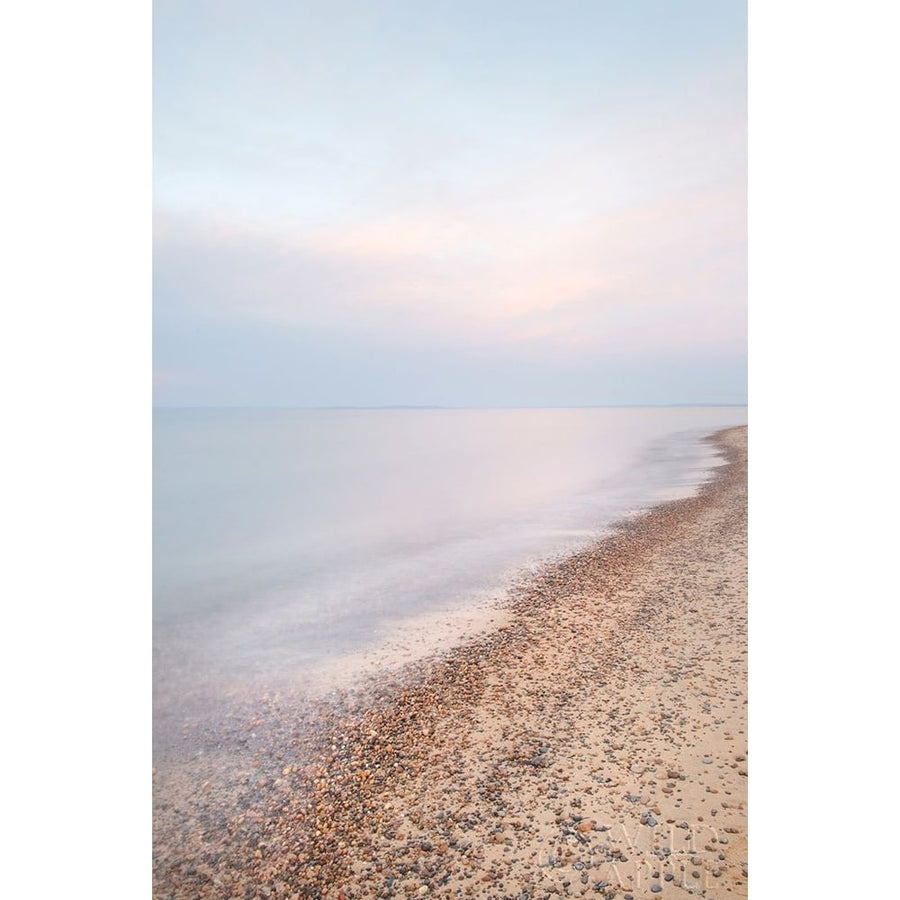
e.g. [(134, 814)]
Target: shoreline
[(195, 703), (560, 753)]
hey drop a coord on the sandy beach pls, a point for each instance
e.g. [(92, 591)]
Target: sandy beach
[(593, 744)]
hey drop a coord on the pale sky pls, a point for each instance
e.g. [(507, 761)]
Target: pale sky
[(450, 203)]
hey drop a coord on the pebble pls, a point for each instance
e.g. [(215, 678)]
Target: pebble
[(446, 852)]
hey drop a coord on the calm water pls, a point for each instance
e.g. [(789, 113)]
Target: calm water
[(285, 539)]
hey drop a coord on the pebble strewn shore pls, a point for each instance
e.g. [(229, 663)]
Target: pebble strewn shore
[(594, 745)]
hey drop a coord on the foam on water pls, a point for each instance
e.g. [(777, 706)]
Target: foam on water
[(295, 547)]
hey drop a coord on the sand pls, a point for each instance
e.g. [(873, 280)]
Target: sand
[(594, 744)]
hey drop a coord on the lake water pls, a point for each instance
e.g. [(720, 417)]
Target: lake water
[(288, 543)]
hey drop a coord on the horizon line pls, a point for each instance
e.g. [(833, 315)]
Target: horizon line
[(413, 406)]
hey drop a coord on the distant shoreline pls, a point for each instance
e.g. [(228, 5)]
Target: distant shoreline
[(427, 407)]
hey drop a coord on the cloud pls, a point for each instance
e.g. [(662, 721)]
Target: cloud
[(668, 274)]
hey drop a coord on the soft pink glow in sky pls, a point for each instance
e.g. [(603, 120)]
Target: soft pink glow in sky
[(564, 185)]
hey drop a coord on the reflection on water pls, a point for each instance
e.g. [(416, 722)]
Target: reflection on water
[(286, 538)]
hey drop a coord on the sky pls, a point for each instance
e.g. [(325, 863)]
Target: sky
[(458, 203)]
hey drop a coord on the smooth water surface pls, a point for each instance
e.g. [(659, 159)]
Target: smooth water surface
[(284, 538)]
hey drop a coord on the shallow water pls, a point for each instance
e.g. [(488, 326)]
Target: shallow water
[(288, 543)]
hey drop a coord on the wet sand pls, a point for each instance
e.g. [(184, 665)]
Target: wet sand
[(595, 744)]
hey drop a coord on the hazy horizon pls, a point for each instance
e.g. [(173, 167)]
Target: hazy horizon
[(413, 406)]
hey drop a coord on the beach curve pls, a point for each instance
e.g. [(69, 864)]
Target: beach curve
[(594, 744)]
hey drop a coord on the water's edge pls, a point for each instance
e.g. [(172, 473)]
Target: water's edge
[(353, 677)]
